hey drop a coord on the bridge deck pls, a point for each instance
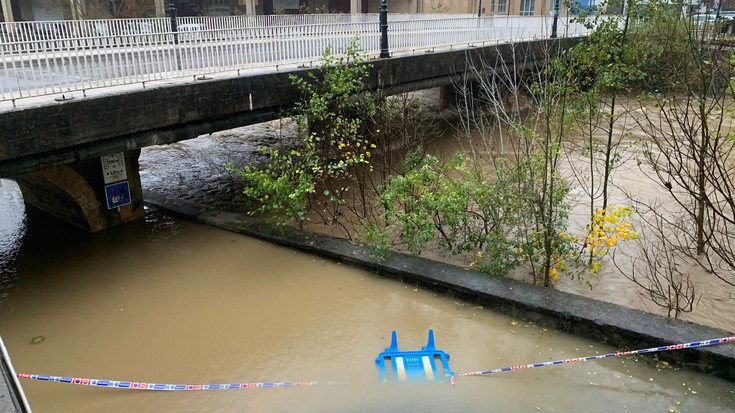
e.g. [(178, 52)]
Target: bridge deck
[(81, 56), (41, 132)]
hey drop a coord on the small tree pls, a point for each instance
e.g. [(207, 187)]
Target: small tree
[(452, 201), (689, 147), (517, 212), (316, 175), (562, 99), (606, 65), (657, 266), (543, 233)]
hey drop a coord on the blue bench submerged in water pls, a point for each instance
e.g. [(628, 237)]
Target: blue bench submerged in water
[(425, 365)]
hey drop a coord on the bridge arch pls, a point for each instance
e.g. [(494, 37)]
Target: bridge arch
[(64, 193)]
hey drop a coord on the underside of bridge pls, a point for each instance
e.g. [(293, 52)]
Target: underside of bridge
[(77, 193)]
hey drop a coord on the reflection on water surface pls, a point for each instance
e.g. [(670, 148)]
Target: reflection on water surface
[(12, 229)]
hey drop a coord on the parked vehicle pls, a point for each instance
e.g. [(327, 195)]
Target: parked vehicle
[(703, 19)]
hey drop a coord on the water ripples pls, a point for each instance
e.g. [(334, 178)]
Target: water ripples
[(12, 230)]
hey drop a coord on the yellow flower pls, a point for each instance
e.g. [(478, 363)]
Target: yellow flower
[(595, 267)]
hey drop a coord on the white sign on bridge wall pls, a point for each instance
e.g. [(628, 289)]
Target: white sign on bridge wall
[(113, 168)]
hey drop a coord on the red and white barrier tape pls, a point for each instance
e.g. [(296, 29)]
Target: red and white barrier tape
[(194, 387), (134, 385), (682, 346)]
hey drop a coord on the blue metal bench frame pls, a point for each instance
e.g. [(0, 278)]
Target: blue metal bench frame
[(425, 365)]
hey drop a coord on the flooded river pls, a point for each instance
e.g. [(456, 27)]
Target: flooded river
[(171, 301)]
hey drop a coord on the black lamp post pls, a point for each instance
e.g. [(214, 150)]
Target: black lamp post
[(479, 9), (556, 19), (384, 29), (172, 16), (175, 31)]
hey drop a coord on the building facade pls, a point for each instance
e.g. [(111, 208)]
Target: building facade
[(21, 10)]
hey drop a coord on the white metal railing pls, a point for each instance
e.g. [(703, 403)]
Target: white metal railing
[(41, 58), (17, 397)]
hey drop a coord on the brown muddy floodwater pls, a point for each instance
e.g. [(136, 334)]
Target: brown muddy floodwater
[(171, 301)]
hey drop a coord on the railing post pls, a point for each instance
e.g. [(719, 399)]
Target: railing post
[(384, 29), (172, 16), (556, 19)]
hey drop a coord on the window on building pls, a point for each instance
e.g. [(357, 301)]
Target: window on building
[(527, 7), (219, 7), (502, 7)]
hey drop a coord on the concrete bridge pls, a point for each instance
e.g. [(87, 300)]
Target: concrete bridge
[(74, 151)]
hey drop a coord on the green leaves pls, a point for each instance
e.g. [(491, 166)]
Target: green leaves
[(330, 126), (452, 204)]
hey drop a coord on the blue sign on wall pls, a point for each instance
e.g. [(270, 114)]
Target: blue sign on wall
[(117, 194)]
